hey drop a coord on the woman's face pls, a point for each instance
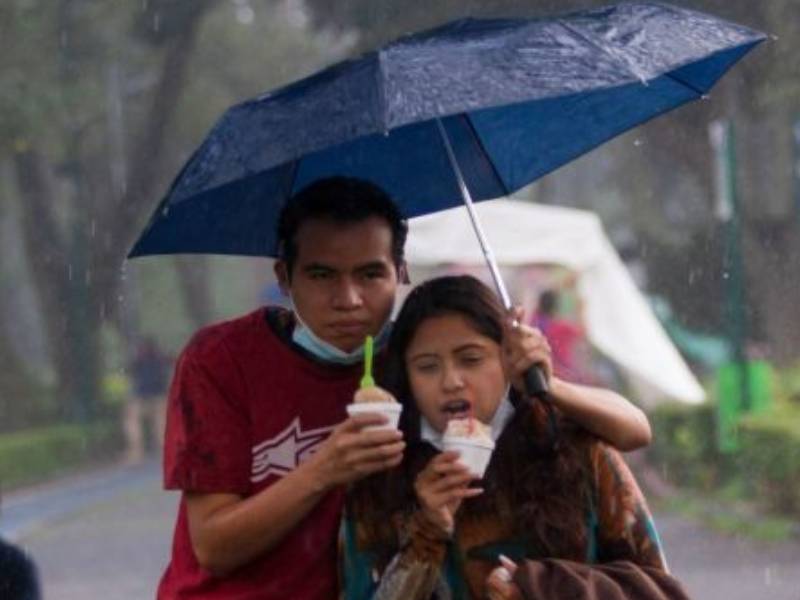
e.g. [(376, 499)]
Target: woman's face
[(454, 371)]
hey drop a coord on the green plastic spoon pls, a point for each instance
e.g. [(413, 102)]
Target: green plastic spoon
[(367, 380)]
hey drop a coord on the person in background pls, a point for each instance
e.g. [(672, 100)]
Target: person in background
[(149, 375), (571, 357)]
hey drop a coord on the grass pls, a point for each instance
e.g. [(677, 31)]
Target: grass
[(722, 514), (34, 455)]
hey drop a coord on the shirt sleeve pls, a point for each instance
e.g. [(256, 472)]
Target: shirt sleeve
[(624, 526), (206, 447)]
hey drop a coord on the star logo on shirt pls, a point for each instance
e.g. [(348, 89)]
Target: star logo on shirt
[(282, 453)]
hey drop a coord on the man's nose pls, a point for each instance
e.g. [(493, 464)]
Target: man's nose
[(347, 295)]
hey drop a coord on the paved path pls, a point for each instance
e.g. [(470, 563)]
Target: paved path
[(715, 566), (103, 535), (106, 535)]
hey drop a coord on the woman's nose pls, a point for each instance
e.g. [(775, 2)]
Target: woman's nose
[(452, 378)]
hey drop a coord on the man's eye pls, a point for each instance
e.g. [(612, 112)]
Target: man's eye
[(317, 275), (374, 274)]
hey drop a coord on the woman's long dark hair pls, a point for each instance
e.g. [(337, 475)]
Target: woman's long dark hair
[(542, 491)]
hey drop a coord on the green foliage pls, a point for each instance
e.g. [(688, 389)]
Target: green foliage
[(764, 470), (769, 458), (788, 387), (684, 447), (31, 404), (35, 454)]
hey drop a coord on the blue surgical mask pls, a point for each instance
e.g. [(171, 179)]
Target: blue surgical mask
[(327, 352)]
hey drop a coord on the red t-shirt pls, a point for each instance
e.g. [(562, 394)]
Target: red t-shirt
[(245, 407)]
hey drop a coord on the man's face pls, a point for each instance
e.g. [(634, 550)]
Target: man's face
[(344, 280)]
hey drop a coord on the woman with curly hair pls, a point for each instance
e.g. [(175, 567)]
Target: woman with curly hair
[(551, 491)]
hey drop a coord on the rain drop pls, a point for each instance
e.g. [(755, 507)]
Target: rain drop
[(245, 14), (157, 22), (726, 275), (637, 142)]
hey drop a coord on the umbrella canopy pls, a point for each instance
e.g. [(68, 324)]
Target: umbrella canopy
[(618, 320), (516, 99)]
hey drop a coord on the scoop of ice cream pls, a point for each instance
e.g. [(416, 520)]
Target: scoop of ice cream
[(469, 428), (373, 394)]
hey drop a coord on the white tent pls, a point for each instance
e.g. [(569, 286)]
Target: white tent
[(618, 320)]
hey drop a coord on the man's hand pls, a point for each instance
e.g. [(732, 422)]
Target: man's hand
[(524, 347), (499, 584), (351, 452), (440, 488)]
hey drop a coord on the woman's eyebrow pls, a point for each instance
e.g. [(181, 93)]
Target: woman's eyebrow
[(419, 355), (469, 346)]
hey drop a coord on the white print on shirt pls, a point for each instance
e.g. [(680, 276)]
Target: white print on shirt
[(281, 454)]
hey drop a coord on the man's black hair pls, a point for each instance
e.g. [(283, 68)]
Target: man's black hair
[(342, 200)]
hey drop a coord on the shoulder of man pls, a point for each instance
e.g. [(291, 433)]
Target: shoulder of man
[(214, 338)]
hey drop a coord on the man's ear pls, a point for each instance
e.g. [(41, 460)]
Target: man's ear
[(402, 273), (281, 270)]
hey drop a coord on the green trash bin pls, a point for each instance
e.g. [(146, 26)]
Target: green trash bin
[(731, 400)]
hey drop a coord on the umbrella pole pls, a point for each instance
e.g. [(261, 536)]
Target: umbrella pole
[(535, 382), (476, 224)]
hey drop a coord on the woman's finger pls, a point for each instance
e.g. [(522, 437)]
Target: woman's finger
[(455, 480)]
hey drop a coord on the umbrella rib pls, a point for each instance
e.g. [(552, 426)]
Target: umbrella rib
[(685, 84), (381, 91), (474, 132), (605, 50), (292, 177)]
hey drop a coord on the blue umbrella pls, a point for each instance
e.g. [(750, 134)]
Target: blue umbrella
[(475, 109)]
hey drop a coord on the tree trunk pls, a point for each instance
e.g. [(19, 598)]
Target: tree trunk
[(76, 270), (64, 289)]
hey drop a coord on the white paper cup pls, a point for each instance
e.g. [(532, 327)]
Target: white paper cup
[(390, 410), (475, 454)]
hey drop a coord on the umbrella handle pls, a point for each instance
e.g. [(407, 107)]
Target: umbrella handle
[(535, 383)]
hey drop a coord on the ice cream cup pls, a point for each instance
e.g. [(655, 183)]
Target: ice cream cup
[(475, 454), (391, 410)]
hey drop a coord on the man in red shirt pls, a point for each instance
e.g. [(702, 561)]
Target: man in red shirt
[(257, 437)]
